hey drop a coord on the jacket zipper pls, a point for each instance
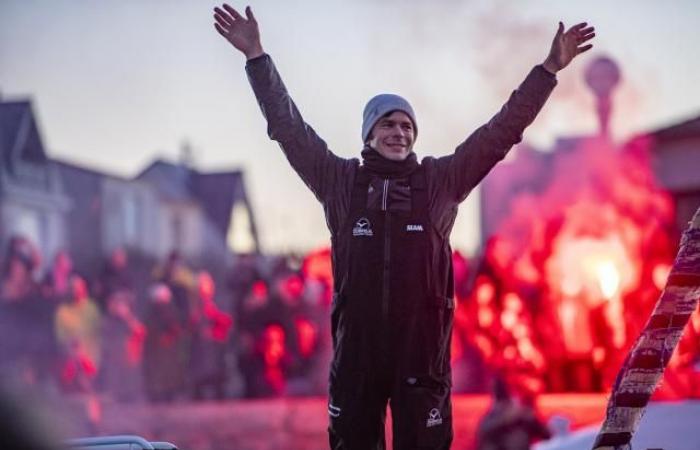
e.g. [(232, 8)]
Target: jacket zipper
[(385, 193), (387, 252)]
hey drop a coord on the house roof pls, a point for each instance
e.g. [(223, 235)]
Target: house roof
[(18, 127), (173, 182), (688, 129), (215, 192)]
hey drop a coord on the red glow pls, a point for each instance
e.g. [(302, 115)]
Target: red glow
[(317, 265), (293, 286), (274, 352), (660, 275), (259, 290), (307, 334), (583, 257), (485, 291)]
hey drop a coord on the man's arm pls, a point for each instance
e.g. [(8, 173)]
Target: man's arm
[(321, 170), (475, 157)]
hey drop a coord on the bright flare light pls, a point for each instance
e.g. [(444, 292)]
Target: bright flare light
[(594, 267), (608, 279)]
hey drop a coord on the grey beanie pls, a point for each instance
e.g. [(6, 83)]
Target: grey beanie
[(379, 106)]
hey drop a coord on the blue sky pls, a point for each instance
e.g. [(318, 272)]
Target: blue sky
[(116, 83)]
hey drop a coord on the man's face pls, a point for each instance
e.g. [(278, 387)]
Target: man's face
[(393, 135)]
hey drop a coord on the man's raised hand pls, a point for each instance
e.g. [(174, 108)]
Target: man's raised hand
[(241, 32), (567, 45)]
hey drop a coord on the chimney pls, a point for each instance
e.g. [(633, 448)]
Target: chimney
[(186, 158)]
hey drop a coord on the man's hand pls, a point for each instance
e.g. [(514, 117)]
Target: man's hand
[(241, 32), (566, 46)]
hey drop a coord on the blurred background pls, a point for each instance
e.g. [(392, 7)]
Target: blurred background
[(161, 260)]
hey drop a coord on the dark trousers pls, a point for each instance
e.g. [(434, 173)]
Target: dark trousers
[(420, 406)]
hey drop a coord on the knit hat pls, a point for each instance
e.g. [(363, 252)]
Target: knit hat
[(379, 106)]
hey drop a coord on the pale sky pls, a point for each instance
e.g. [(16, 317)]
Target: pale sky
[(116, 83)]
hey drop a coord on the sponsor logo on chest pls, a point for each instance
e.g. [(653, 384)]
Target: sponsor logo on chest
[(414, 227), (362, 227)]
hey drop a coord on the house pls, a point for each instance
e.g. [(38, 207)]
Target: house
[(32, 200), (198, 212), (675, 159), (57, 204)]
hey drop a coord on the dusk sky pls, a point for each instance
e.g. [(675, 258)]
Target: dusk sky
[(117, 83)]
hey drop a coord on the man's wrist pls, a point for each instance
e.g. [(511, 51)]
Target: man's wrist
[(550, 67), (255, 53)]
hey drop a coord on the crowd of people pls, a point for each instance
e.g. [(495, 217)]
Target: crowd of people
[(542, 342), (173, 338), (266, 333)]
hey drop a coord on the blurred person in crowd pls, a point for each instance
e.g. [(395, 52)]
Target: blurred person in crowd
[(26, 320), (522, 361), (78, 332), (271, 348), (22, 258), (240, 279), (251, 314), (609, 342), (510, 423), (56, 285), (211, 329), (122, 349), (164, 355), (574, 317), (266, 335), (181, 283), (297, 318), (115, 279), (479, 327), (318, 291)]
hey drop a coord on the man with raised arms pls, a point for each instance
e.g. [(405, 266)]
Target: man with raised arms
[(390, 219)]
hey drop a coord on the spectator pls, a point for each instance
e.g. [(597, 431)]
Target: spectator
[(122, 350), (252, 314), (163, 366), (115, 279), (78, 332), (179, 280), (509, 424), (210, 336), (26, 330), (56, 283)]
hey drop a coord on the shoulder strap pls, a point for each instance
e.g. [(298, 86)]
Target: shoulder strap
[(419, 190), (358, 198)]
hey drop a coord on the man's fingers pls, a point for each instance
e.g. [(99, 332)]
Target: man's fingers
[(576, 28), (233, 12), (586, 38), (249, 14), (560, 29), (220, 20), (585, 48), (587, 30), (221, 30), (224, 16)]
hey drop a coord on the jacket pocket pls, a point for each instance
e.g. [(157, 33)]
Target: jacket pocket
[(345, 409), (425, 412), (442, 333)]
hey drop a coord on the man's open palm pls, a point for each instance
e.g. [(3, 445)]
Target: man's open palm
[(241, 32)]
